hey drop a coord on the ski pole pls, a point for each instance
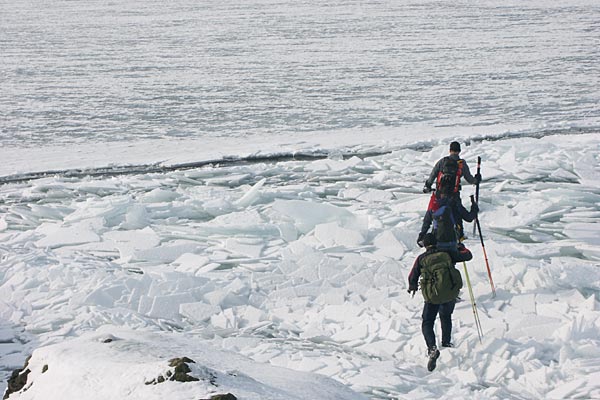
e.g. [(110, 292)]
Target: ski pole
[(473, 304), (477, 184), (487, 263), (477, 188)]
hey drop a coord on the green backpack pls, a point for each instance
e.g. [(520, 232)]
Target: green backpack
[(440, 281)]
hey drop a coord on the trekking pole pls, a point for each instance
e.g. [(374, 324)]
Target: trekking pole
[(473, 304), (477, 189), (487, 263)]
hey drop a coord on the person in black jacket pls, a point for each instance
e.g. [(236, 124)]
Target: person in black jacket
[(430, 310), (463, 171), (440, 201)]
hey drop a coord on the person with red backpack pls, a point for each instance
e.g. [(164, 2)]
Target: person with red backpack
[(449, 170), (447, 174)]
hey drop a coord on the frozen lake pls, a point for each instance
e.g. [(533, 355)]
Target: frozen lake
[(295, 265), (120, 71)]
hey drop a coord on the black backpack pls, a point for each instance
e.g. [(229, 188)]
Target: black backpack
[(440, 280), (449, 176), (444, 224)]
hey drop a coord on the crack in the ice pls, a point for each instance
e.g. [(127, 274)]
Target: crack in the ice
[(274, 158)]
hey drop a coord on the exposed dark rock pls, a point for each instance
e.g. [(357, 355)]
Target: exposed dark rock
[(227, 396), (179, 373), (178, 361), (17, 380), (182, 370), (44, 368)]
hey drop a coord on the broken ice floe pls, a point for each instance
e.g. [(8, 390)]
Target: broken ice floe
[(304, 265)]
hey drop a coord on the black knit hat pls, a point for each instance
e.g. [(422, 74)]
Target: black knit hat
[(429, 240), (455, 146)]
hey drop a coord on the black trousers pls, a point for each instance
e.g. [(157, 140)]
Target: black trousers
[(430, 312)]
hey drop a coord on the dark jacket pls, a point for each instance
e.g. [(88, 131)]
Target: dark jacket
[(458, 210), (466, 173)]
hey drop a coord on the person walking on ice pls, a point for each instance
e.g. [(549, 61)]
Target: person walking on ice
[(440, 284), (447, 174), (451, 168)]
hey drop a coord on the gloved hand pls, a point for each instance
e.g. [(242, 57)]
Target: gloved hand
[(427, 188), (420, 240), (412, 291), (477, 178)]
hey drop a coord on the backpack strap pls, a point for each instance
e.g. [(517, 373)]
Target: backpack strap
[(450, 272), (440, 172), (458, 176)]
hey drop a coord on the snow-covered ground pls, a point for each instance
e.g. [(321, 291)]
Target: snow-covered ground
[(303, 265), (128, 237)]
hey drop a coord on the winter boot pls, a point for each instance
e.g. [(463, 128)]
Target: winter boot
[(434, 354)]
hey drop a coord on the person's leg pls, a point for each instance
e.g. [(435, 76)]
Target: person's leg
[(446, 311), (430, 312)]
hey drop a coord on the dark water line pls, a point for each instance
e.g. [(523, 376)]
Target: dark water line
[(104, 172)]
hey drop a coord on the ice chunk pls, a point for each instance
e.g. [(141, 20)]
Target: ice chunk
[(375, 195), (160, 196), (127, 242), (351, 333), (388, 246), (308, 273), (136, 218), (497, 369), (307, 214), (525, 303), (251, 247), (579, 329), (287, 231), (522, 214), (225, 298), (166, 253), (167, 307), (333, 296), (58, 236), (198, 311), (382, 348), (309, 364), (251, 315), (247, 222), (190, 262), (586, 232), (284, 293), (101, 297), (331, 234), (332, 165), (237, 344), (537, 327), (251, 195), (225, 320), (567, 389), (216, 297), (341, 313)]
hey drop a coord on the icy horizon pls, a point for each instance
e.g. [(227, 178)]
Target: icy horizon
[(136, 71)]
